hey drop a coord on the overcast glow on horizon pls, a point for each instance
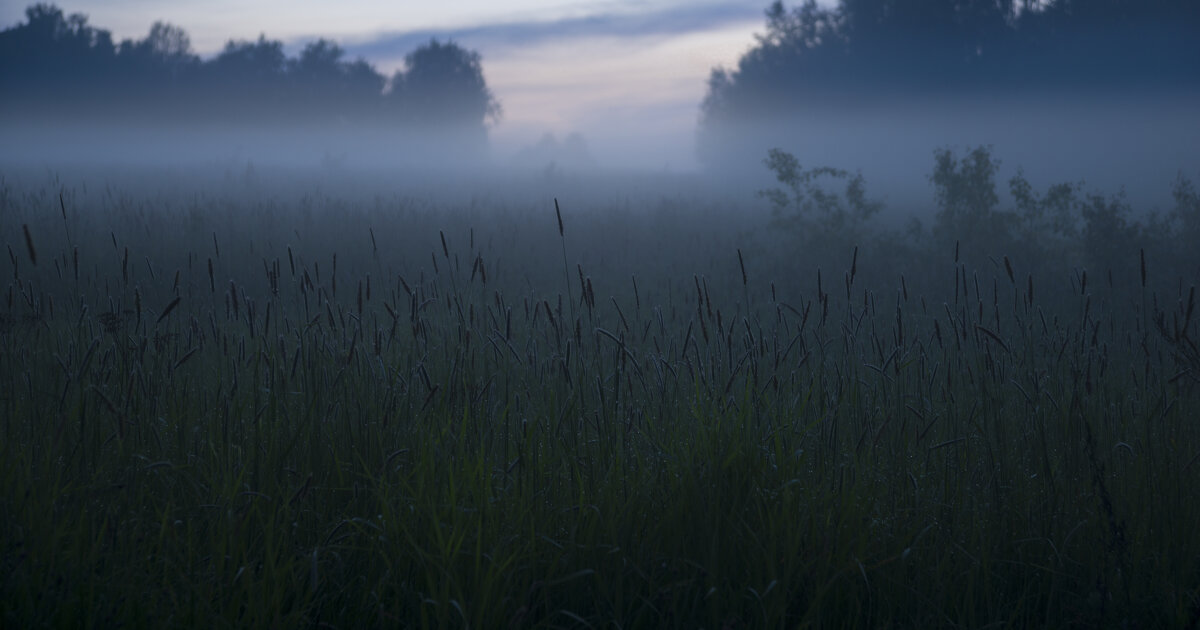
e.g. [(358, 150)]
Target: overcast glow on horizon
[(622, 72)]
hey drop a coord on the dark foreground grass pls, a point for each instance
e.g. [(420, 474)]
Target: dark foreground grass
[(296, 416)]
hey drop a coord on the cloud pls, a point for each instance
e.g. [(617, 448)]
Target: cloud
[(664, 22)]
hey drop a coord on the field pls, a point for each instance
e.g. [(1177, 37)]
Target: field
[(241, 409)]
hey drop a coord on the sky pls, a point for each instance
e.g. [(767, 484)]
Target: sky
[(620, 72)]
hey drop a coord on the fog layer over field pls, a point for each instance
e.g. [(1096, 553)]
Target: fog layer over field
[(1138, 146), (1137, 143)]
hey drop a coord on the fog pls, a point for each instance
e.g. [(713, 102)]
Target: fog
[(1138, 144)]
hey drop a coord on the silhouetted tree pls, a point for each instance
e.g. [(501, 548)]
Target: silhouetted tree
[(247, 79), (864, 51), (55, 64), (249, 62), (443, 84), (51, 59), (153, 75), (328, 86)]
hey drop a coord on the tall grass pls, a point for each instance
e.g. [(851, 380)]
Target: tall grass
[(224, 413)]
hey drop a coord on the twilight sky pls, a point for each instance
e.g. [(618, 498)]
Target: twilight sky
[(624, 73)]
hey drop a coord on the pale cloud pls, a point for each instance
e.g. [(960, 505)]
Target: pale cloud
[(211, 23), (622, 23)]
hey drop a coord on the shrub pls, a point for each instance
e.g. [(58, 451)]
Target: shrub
[(810, 207), (965, 191)]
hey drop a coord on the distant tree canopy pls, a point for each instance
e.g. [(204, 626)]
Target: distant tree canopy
[(876, 51), (56, 65)]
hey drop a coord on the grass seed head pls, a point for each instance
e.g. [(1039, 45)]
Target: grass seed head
[(29, 244)]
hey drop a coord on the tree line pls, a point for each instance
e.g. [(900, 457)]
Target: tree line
[(865, 52), (59, 65)]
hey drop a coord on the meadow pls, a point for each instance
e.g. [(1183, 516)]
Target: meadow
[(254, 409)]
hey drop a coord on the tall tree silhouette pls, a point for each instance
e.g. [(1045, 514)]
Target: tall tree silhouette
[(51, 59), (444, 84), (153, 76)]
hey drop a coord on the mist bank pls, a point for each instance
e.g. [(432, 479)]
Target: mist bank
[(489, 187), (807, 220), (1136, 142), (1106, 150), (341, 145)]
